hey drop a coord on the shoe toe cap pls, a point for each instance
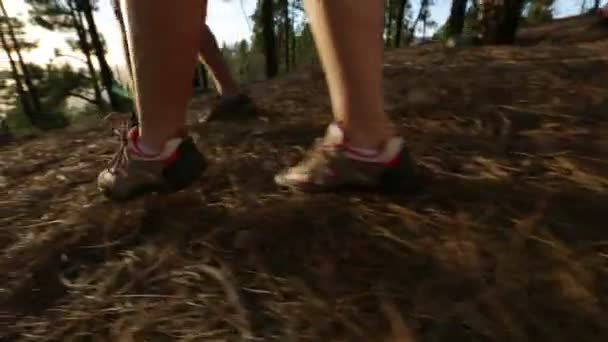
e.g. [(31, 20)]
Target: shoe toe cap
[(107, 185)]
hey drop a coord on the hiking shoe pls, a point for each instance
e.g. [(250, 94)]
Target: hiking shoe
[(333, 165), (232, 107), (132, 174)]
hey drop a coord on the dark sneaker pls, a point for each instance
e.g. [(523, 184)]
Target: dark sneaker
[(232, 108), (331, 165), (132, 174)]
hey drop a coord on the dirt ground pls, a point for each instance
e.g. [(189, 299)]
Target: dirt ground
[(504, 243)]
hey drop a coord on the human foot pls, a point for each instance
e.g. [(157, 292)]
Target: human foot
[(232, 107), (132, 173), (332, 164)]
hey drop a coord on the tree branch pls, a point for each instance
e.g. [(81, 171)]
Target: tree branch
[(82, 97)]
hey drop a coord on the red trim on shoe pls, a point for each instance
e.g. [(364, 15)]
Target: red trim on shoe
[(364, 155), (172, 158), (133, 138), (357, 152), (395, 161)]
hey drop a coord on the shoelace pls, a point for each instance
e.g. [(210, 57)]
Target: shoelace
[(318, 154), (120, 123)]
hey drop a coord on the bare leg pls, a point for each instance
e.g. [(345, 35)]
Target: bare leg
[(362, 150), (211, 56), (348, 35), (163, 43)]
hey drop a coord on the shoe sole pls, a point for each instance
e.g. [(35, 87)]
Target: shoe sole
[(403, 178)]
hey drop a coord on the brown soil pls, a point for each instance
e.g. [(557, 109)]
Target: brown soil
[(506, 243)]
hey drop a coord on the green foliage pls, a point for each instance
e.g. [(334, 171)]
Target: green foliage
[(305, 45), (18, 124), (537, 11), (56, 83), (442, 33), (58, 86), (301, 41), (51, 14), (395, 21), (61, 91), (425, 16), (238, 57), (18, 29), (471, 27)]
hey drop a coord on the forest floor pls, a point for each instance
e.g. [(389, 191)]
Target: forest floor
[(505, 243)]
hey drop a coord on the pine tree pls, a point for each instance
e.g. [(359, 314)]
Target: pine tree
[(77, 16), (66, 16), (24, 99), (123, 34), (389, 20), (404, 6), (540, 10), (499, 20), (268, 32), (107, 79), (455, 25), (286, 30), (16, 46)]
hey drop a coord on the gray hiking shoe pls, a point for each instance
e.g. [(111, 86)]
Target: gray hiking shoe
[(131, 175), (331, 165), (232, 108)]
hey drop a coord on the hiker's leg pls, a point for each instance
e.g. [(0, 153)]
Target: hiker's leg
[(213, 59), (163, 41), (348, 35), (156, 156), (363, 149)]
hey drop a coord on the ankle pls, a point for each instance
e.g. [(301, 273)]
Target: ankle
[(368, 137), (148, 149), (150, 146)]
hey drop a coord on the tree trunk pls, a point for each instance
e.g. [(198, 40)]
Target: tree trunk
[(399, 26), (293, 47), (270, 46), (27, 77), (596, 5), (456, 19), (107, 78), (499, 20), (412, 30), (23, 96), (424, 21), (127, 53), (389, 23), (287, 29), (123, 34), (85, 47)]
